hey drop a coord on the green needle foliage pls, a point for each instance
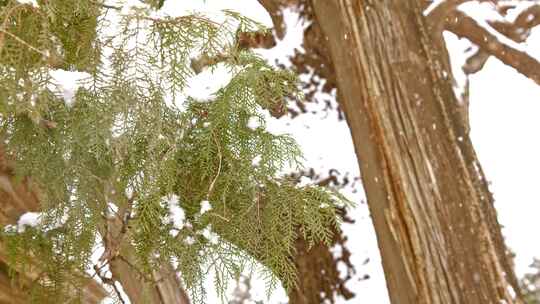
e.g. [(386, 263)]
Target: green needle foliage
[(131, 141), (530, 284)]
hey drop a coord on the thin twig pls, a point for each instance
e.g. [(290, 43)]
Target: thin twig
[(18, 39), (4, 24), (131, 265), (107, 6), (177, 20), (24, 43), (111, 282), (118, 293), (97, 269), (212, 184), (464, 26), (220, 216)]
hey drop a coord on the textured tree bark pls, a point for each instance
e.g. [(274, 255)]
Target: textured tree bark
[(434, 216)]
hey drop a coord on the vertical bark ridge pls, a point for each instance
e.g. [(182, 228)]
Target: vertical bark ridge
[(438, 235)]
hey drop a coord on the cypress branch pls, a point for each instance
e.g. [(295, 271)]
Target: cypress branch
[(129, 130)]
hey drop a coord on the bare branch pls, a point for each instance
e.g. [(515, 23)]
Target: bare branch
[(107, 6), (110, 282), (273, 7), (475, 62), (446, 16), (520, 29), (466, 27), (436, 16)]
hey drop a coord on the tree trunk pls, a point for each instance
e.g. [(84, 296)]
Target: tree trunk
[(434, 216)]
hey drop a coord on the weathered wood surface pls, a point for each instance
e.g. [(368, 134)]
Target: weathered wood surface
[(433, 214)]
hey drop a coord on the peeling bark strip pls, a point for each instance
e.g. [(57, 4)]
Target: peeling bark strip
[(433, 214)]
